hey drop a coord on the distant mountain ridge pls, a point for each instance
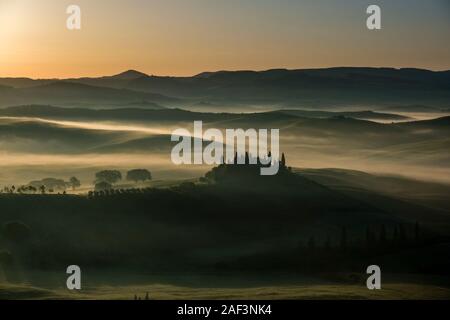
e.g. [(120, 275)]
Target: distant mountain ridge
[(407, 75), (129, 75), (331, 87)]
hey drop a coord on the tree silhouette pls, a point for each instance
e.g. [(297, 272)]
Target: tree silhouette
[(50, 183), (101, 186), (75, 183), (139, 175), (109, 176), (396, 237), (283, 160)]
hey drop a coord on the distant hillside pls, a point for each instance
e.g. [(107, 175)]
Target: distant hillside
[(77, 94), (312, 87), (425, 193), (133, 114), (42, 138), (423, 143), (318, 121), (364, 115), (129, 75), (443, 122), (330, 88), (23, 82), (413, 108), (144, 105)]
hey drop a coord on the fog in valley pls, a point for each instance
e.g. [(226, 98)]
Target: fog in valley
[(81, 148)]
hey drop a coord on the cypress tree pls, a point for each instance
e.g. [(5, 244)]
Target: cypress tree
[(395, 237)]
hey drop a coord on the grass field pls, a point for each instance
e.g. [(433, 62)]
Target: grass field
[(167, 292)]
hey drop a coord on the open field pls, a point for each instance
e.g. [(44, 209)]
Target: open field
[(167, 292)]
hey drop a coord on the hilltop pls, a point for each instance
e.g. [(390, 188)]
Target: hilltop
[(312, 88)]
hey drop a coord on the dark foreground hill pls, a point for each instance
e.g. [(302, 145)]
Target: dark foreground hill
[(285, 224)]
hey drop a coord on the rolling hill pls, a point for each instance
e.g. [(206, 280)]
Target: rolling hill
[(158, 228), (77, 94), (312, 88), (363, 115), (136, 114), (339, 129), (37, 137)]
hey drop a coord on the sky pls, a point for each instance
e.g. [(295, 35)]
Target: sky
[(186, 37)]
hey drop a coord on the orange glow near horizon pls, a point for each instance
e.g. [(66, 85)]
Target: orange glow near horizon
[(183, 38)]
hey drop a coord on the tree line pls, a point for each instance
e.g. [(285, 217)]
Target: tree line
[(105, 179), (375, 238), (44, 186)]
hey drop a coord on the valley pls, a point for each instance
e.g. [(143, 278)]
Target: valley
[(364, 183)]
